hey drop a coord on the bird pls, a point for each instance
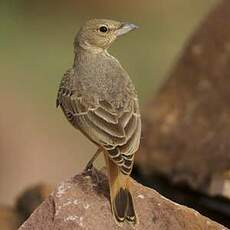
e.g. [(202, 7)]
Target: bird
[(99, 99)]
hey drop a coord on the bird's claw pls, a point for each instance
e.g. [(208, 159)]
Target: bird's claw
[(88, 167), (90, 170)]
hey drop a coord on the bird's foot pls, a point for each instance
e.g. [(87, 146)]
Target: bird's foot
[(92, 172), (89, 167)]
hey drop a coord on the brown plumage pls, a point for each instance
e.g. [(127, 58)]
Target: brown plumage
[(98, 98)]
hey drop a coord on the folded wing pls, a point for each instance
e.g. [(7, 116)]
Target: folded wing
[(118, 132)]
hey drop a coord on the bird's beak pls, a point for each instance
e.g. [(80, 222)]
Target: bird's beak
[(125, 28)]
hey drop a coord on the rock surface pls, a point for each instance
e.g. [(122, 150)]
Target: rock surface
[(83, 203), (186, 126)]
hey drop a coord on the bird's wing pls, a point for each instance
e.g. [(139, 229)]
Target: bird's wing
[(66, 87), (123, 154), (117, 132), (65, 92)]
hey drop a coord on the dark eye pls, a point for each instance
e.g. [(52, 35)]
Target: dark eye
[(103, 29)]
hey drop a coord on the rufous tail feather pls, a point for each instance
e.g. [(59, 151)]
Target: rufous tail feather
[(120, 195)]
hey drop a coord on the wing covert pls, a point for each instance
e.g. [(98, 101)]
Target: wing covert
[(117, 131)]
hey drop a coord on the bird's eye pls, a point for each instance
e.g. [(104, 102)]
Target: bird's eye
[(103, 29)]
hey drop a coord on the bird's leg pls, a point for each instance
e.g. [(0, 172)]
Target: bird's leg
[(90, 169), (89, 165)]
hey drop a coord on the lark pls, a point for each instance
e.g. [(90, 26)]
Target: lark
[(99, 99)]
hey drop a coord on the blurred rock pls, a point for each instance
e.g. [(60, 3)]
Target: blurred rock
[(220, 185), (29, 200), (83, 203), (187, 125), (12, 217)]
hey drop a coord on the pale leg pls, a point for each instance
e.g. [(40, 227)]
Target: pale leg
[(89, 165)]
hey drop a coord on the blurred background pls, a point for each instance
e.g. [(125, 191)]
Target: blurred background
[(37, 144)]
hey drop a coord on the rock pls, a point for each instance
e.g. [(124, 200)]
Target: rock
[(220, 185), (83, 203), (30, 199), (186, 126)]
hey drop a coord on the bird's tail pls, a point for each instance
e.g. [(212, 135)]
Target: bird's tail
[(120, 195)]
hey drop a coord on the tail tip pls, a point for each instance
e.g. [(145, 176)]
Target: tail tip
[(123, 207)]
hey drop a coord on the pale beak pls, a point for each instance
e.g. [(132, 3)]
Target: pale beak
[(125, 28)]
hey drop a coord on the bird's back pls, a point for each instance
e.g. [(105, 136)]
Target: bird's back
[(100, 76)]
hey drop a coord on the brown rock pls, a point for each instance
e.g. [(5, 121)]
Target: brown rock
[(30, 199), (82, 203), (187, 125)]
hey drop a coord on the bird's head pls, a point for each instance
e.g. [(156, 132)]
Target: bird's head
[(100, 33)]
